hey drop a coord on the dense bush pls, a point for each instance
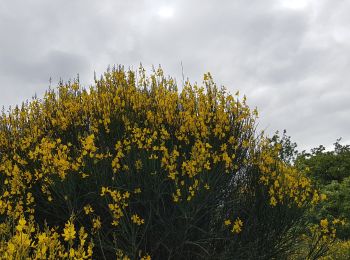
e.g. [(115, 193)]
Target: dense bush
[(132, 167), (330, 172)]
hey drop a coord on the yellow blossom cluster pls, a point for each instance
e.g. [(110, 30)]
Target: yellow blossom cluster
[(322, 235), (44, 142), (27, 242), (285, 183), (88, 209), (118, 203), (137, 220), (236, 226), (69, 231), (327, 228), (96, 224), (146, 257)]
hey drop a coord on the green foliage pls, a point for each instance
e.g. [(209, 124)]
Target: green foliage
[(288, 152), (327, 166), (340, 250), (330, 170)]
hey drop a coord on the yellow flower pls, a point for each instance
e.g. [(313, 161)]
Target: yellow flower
[(69, 231), (137, 190), (227, 222), (21, 224), (273, 201), (137, 220), (88, 209), (42, 238), (146, 257), (103, 191), (71, 252), (126, 195), (324, 223), (175, 198), (11, 248), (237, 226), (138, 164), (96, 223)]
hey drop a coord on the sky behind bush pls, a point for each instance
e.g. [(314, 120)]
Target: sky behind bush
[(290, 57)]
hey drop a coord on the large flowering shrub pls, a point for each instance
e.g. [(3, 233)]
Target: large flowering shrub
[(134, 168)]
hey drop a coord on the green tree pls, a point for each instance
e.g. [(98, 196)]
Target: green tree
[(288, 152), (327, 166), (330, 170)]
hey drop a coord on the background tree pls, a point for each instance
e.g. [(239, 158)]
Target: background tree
[(288, 152), (330, 170)]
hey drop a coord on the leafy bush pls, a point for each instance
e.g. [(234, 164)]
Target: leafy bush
[(143, 170), (330, 171)]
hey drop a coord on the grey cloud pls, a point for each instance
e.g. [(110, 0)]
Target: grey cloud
[(292, 63), (34, 69)]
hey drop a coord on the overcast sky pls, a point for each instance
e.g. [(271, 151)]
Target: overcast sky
[(290, 57)]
